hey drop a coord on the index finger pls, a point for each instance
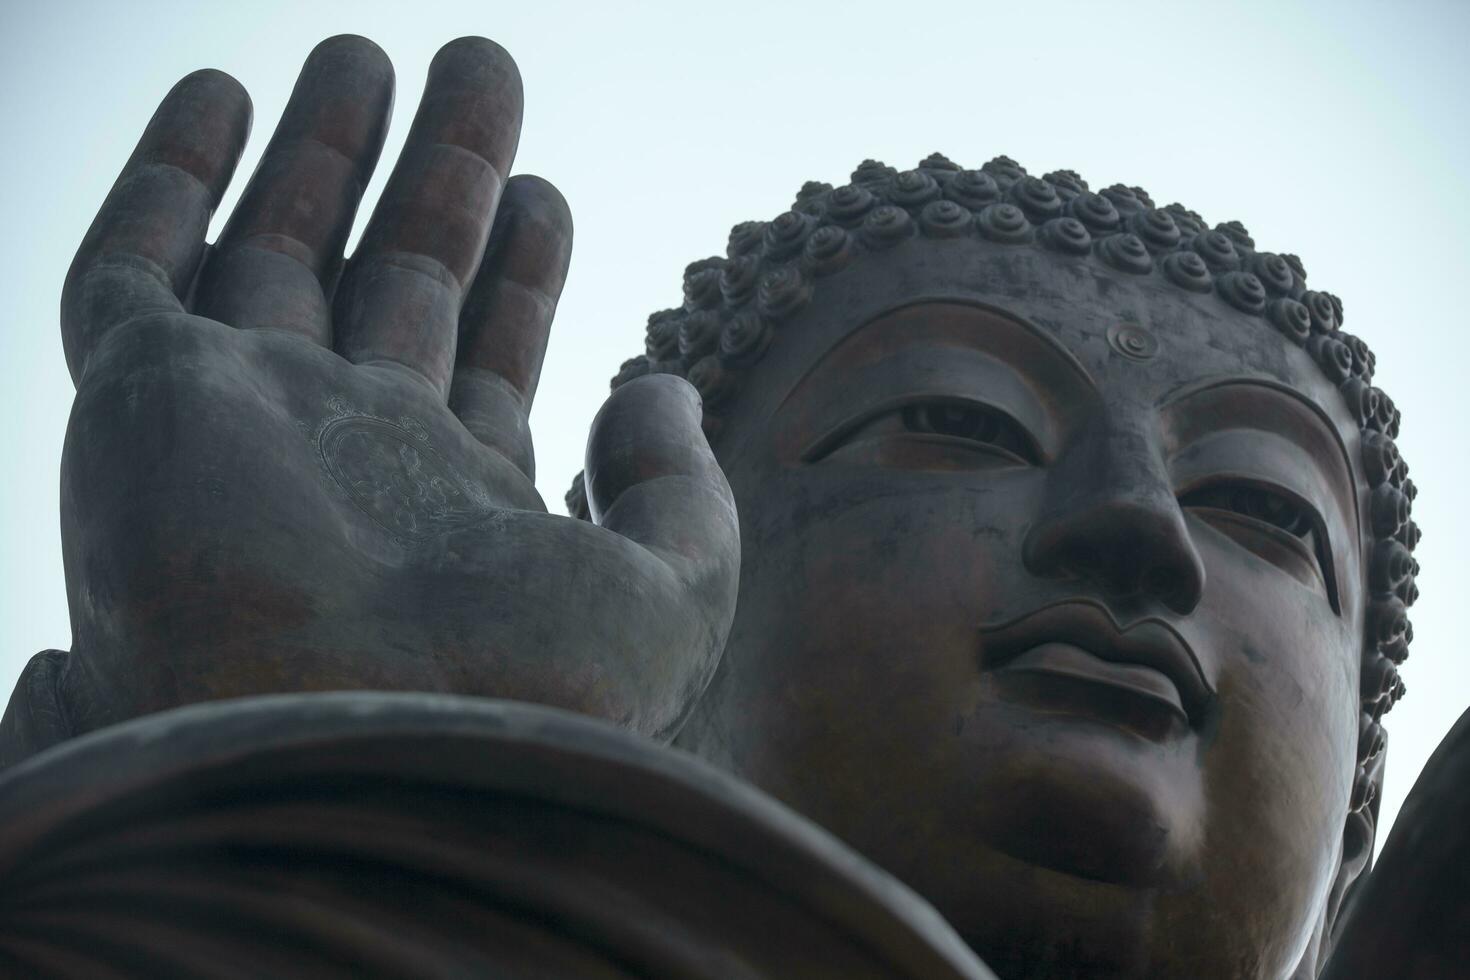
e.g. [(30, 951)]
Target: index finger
[(143, 248)]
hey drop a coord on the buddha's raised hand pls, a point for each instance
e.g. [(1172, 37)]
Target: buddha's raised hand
[(288, 473)]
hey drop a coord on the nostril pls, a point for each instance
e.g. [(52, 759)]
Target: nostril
[(1177, 586), (1084, 561), (1161, 580)]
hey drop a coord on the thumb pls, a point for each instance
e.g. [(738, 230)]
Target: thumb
[(652, 477)]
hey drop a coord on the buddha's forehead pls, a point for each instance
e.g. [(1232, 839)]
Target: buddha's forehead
[(1140, 339)]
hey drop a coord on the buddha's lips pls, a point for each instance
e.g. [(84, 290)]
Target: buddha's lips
[(1068, 661), (1080, 639)]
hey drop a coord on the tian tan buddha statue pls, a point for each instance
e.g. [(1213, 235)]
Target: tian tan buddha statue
[(1011, 572)]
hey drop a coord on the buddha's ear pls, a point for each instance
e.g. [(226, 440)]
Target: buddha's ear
[(1358, 834)]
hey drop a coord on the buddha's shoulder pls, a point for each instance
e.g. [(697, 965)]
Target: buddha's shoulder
[(376, 834)]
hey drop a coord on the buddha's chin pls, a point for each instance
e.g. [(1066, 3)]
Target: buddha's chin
[(1086, 799)]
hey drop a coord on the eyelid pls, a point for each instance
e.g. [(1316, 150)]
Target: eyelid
[(824, 445), (1199, 413), (918, 371), (1272, 461), (1323, 559)]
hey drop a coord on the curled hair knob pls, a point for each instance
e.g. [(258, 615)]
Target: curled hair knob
[(827, 250), (887, 225), (1288, 316), (938, 161), (1388, 509), (974, 189), (633, 367), (1390, 565), (810, 190), (1187, 269), (1094, 211), (1273, 272), (912, 188), (781, 292), (1324, 314), (944, 219), (1397, 650), (849, 203), (744, 339), (1188, 222), (745, 238), (1363, 359), (1243, 291), (1380, 459), (1125, 199), (1364, 791), (1295, 263), (1361, 398), (872, 172), (702, 289), (1004, 223), (698, 334), (1037, 198), (663, 334), (1378, 677), (1408, 534), (1127, 252), (738, 279), (1332, 356), (1217, 250), (1336, 306), (1156, 228), (1068, 183), (786, 234), (1389, 620), (1066, 235), (1236, 232), (1370, 738), (1005, 170)]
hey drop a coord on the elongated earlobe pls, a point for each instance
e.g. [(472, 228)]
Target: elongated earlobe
[(1358, 834)]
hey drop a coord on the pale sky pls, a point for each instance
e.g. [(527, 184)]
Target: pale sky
[(1335, 130)]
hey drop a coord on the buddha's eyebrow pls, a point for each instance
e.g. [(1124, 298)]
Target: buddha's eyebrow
[(943, 321), (1268, 405)]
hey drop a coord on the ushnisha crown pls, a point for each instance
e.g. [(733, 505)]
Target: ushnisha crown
[(734, 307)]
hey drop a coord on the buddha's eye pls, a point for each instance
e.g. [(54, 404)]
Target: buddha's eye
[(932, 434), (972, 423), (1254, 502), (1270, 522)]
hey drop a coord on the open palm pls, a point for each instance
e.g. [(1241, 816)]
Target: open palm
[(288, 472)]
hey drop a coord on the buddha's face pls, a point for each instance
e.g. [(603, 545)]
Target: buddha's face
[(1052, 605)]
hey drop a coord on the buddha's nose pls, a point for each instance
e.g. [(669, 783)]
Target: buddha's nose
[(1111, 519)]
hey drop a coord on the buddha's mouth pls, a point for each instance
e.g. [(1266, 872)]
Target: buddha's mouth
[(1066, 679), (1073, 658)]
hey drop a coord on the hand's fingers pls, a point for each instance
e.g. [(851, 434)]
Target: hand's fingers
[(402, 291), (507, 317), (652, 478), (276, 261), (142, 251)]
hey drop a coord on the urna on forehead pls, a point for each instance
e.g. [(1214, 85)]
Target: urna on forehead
[(1069, 260)]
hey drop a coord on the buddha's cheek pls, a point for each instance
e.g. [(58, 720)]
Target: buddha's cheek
[(856, 644), (1277, 768)]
